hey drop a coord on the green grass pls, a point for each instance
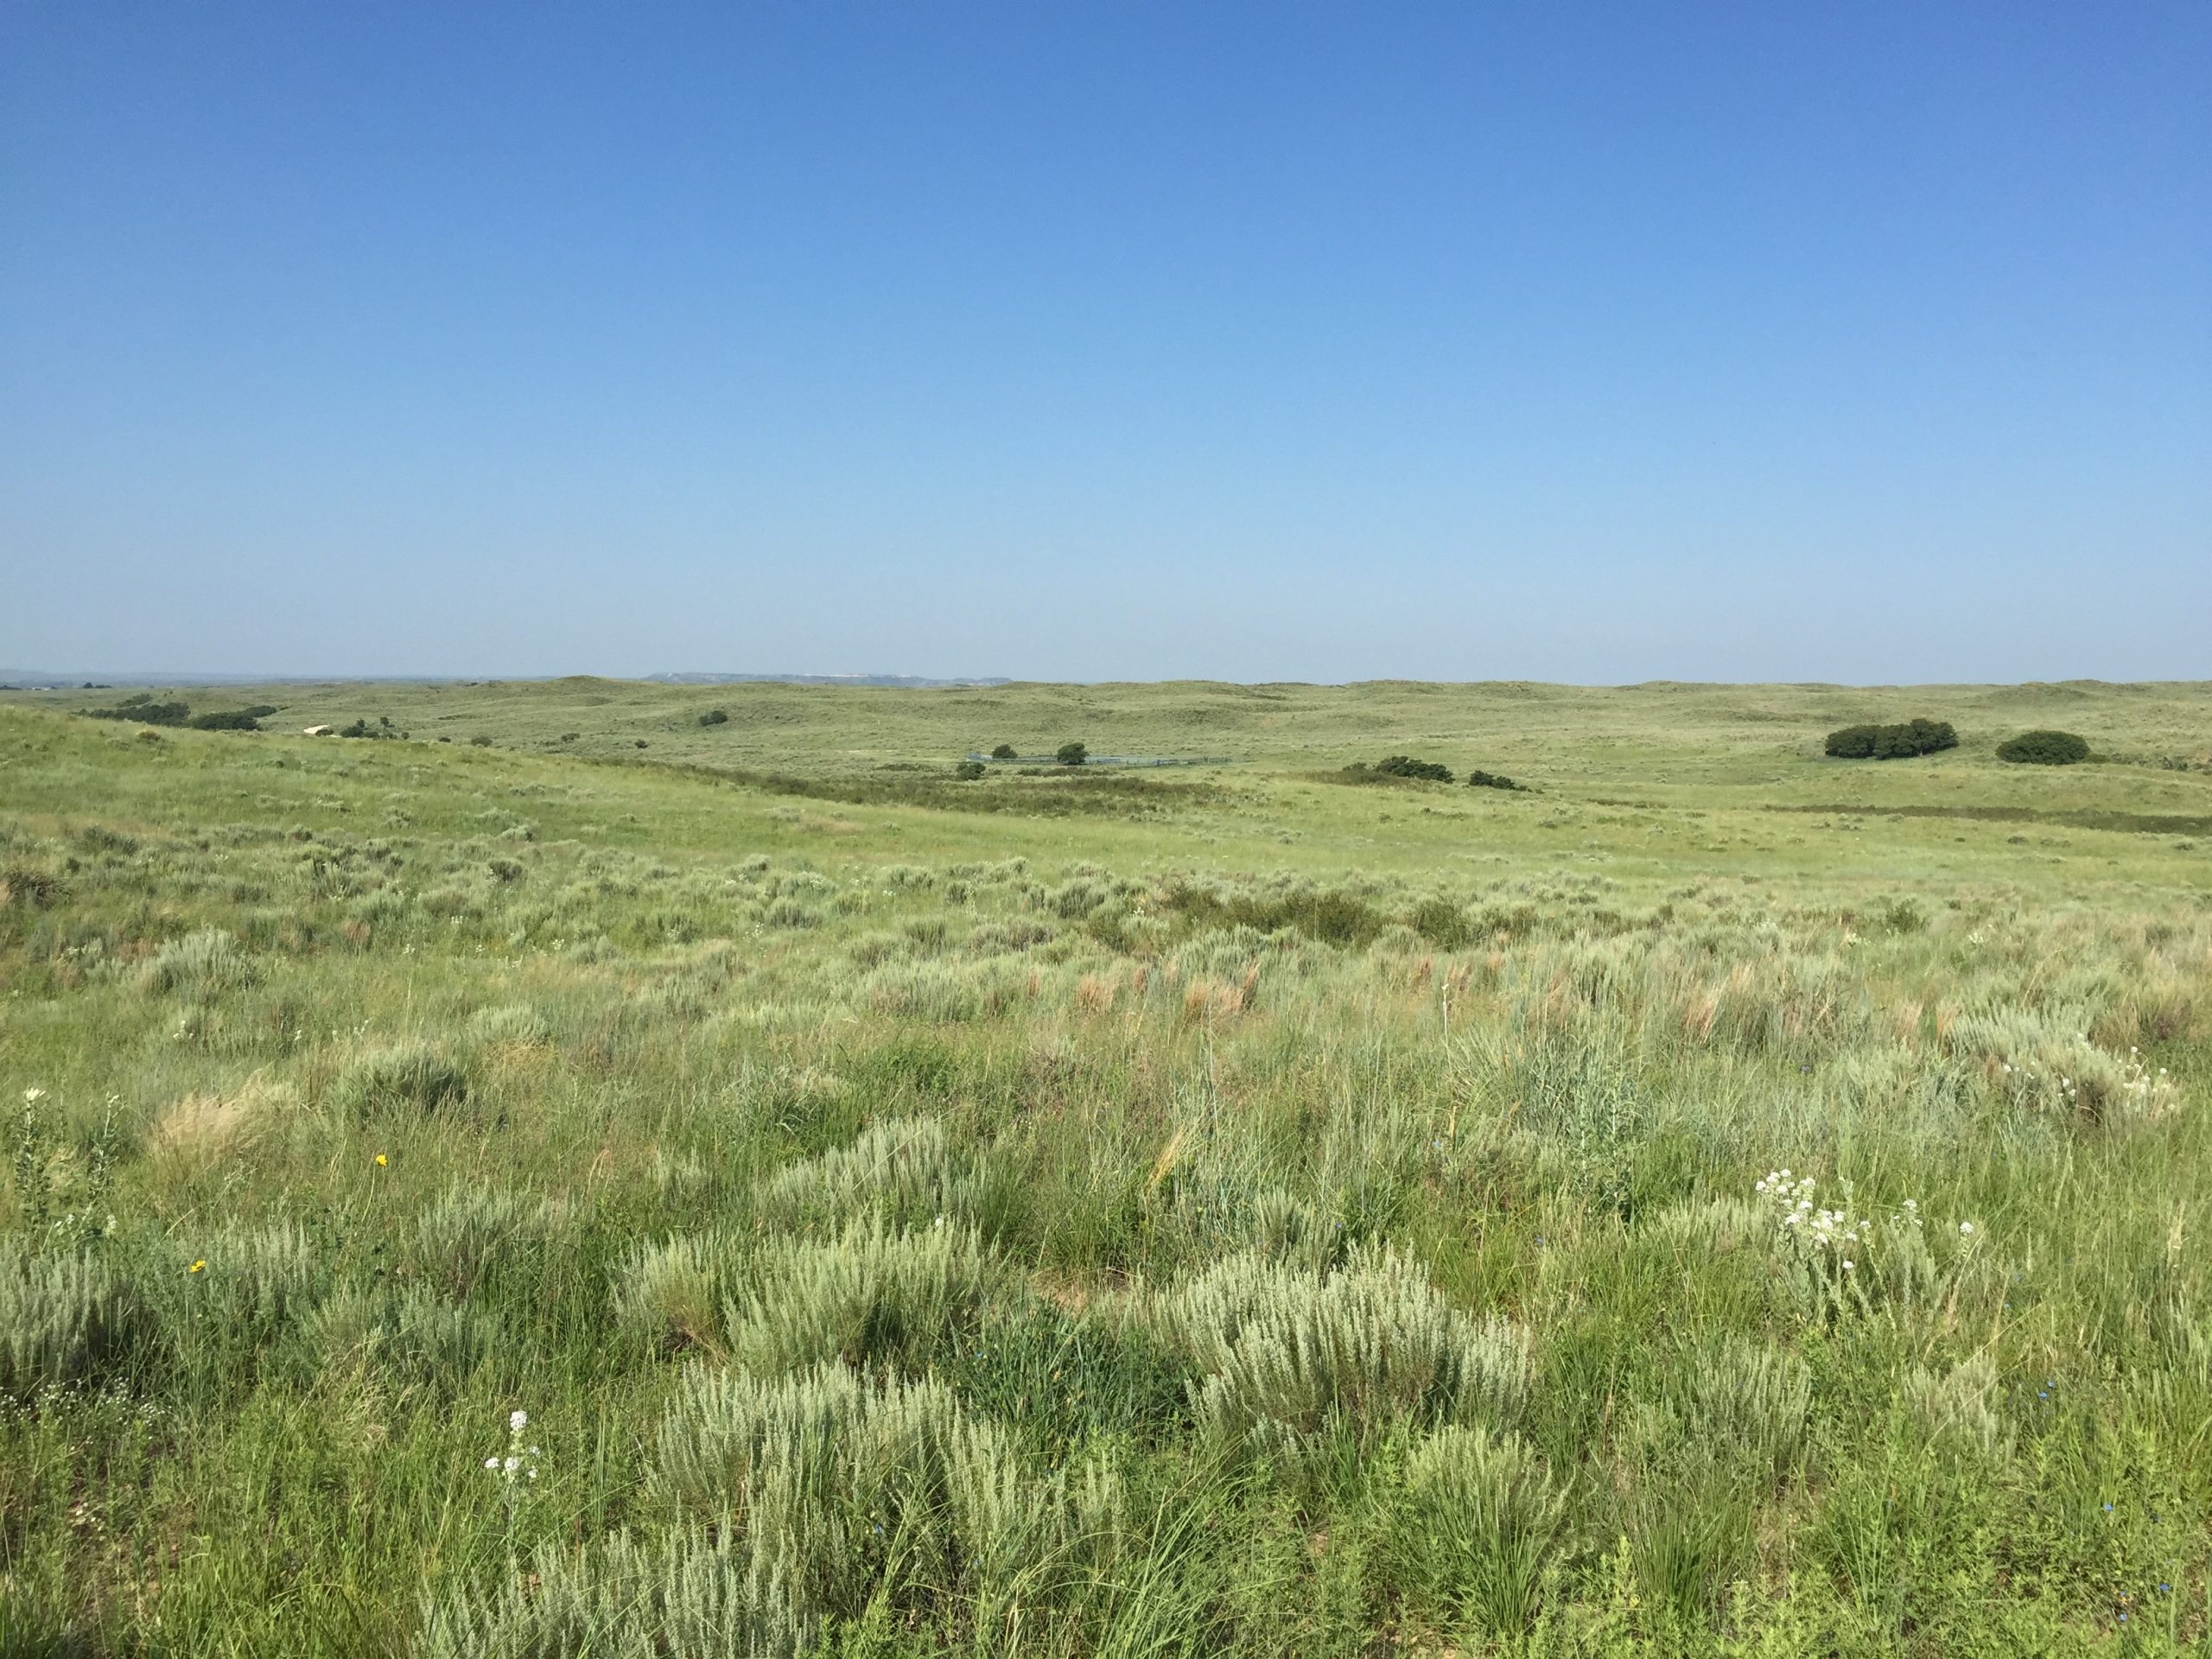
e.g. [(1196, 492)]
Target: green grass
[(1209, 1212)]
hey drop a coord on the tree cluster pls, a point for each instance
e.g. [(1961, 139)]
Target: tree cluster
[(2044, 749), (1910, 737)]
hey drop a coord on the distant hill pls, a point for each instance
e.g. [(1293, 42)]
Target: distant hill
[(907, 680)]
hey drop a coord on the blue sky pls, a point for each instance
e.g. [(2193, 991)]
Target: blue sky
[(1596, 342)]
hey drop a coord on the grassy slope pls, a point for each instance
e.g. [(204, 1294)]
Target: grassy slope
[(648, 1023)]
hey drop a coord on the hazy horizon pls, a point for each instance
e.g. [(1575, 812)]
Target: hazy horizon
[(1590, 346)]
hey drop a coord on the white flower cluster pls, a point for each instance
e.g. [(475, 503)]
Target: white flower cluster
[(1802, 1220), (520, 1462), (2156, 1092)]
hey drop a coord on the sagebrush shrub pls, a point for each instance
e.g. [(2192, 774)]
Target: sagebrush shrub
[(904, 1169), (1753, 1398), (842, 1492), (672, 1294), (201, 964), (1287, 1355), (512, 1025), (682, 1597), (407, 1077), (872, 1298), (1955, 1411), (67, 1319), (467, 1230)]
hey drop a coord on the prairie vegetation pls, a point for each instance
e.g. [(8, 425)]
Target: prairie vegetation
[(529, 1199)]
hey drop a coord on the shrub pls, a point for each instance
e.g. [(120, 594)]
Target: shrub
[(67, 1320), (874, 1298), (2044, 749), (904, 1169), (615, 1599), (1005, 751), (1290, 1354), (1481, 779), (251, 1286), (1476, 1523), (846, 1493), (969, 771), (1404, 765), (227, 720), (409, 1076), (468, 1230), (1957, 1411), (201, 964), (512, 1025), (1753, 1398), (1915, 736), (483, 743), (714, 717), (144, 709), (672, 1293), (1071, 754)]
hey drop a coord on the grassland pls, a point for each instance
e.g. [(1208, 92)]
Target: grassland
[(1232, 1210)]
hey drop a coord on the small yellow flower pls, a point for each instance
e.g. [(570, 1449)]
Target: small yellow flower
[(200, 1266), (382, 1160)]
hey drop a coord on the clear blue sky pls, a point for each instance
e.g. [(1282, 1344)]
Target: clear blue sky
[(1600, 342)]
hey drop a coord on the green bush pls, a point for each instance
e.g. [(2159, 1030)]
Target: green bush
[(672, 1293), (1071, 754), (2044, 749), (969, 771), (1005, 751), (1912, 737), (225, 719), (1481, 779), (1404, 765), (714, 717), (146, 711)]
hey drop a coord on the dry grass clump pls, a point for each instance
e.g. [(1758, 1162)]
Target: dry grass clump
[(204, 1131)]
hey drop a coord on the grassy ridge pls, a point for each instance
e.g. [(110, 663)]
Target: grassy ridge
[(1235, 1215)]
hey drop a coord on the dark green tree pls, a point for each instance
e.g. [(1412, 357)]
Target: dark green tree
[(2044, 749)]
